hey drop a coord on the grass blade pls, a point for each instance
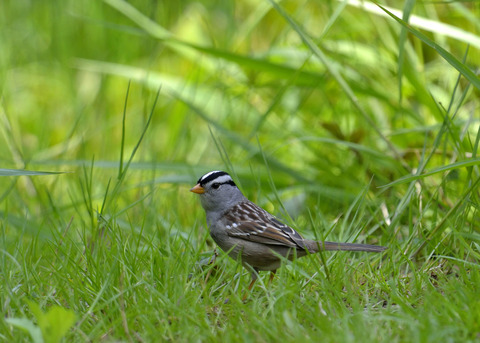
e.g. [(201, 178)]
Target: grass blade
[(454, 62), (338, 77), (456, 165), (22, 172)]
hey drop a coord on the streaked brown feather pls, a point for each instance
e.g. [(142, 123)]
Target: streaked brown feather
[(250, 222)]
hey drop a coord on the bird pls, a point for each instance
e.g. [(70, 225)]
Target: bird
[(246, 231)]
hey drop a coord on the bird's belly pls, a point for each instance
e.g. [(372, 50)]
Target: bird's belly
[(257, 255)]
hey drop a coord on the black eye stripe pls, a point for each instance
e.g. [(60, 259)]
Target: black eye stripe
[(216, 185), (229, 182)]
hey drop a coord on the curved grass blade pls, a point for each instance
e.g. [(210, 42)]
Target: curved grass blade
[(456, 165), (462, 68), (426, 24), (22, 172), (333, 70), (305, 78), (441, 225)]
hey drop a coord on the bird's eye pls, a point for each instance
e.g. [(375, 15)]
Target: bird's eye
[(215, 185)]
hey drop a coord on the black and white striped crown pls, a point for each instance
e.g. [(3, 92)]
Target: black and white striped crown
[(216, 176)]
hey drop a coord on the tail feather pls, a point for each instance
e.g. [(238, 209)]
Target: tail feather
[(314, 246)]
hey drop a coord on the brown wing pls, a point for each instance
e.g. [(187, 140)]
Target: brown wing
[(252, 223)]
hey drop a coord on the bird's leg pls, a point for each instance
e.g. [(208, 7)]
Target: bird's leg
[(251, 284), (254, 278), (210, 262), (272, 275), (254, 274)]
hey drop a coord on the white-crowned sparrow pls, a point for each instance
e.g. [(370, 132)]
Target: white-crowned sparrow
[(245, 230)]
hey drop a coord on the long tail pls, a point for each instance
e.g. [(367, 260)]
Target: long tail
[(325, 246)]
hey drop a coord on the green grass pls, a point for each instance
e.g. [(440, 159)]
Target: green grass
[(346, 123)]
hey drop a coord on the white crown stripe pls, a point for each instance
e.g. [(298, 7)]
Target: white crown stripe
[(208, 174)]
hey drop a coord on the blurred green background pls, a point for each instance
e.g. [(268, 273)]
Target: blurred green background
[(312, 106), (235, 78)]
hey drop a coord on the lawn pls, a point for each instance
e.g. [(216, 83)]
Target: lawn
[(349, 121)]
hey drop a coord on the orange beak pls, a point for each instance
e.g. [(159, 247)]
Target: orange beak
[(198, 189)]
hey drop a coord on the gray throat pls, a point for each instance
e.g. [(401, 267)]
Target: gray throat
[(215, 210)]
